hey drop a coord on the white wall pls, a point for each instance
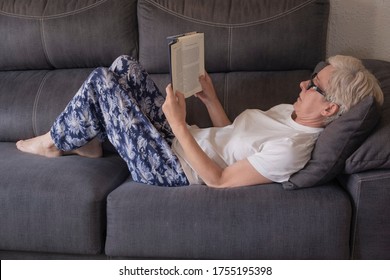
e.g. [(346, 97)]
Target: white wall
[(359, 28)]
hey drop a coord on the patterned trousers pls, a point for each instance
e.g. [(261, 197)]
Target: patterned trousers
[(123, 104)]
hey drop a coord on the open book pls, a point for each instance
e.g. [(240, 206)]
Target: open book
[(186, 59)]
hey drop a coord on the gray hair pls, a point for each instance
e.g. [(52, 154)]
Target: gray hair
[(349, 83)]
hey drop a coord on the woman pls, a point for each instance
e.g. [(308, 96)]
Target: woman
[(150, 133)]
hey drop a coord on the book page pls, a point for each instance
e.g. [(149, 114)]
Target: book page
[(190, 58)]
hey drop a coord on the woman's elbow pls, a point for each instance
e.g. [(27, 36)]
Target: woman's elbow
[(221, 182), (214, 183), (217, 180)]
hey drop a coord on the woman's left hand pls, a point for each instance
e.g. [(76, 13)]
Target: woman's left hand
[(174, 108)]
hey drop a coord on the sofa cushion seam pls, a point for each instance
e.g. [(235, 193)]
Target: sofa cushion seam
[(230, 45), (65, 14), (43, 42), (226, 94), (230, 25), (36, 101), (357, 193)]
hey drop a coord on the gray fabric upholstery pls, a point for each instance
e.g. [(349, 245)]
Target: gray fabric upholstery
[(370, 227), (238, 36), (55, 205), (45, 34), (252, 222), (33, 113), (374, 153), (262, 89), (17, 255)]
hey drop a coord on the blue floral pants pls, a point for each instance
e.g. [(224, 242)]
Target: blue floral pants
[(123, 104)]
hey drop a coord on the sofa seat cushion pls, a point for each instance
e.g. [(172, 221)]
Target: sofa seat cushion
[(257, 222), (55, 205)]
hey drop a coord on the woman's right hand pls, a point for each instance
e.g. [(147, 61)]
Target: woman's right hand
[(208, 95), (210, 99)]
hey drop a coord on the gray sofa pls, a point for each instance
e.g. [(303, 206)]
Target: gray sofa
[(257, 52)]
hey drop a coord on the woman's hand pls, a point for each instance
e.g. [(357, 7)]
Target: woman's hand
[(210, 99), (174, 108), (208, 95)]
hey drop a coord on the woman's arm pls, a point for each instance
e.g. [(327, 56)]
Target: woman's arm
[(240, 173), (210, 99)]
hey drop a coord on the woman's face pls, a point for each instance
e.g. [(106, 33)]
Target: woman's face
[(311, 102)]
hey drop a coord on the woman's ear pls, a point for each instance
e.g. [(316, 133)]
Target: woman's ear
[(331, 109)]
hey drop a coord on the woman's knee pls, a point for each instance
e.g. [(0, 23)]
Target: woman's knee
[(100, 80), (99, 74), (120, 59), (122, 64)]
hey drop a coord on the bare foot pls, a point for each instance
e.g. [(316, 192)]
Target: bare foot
[(44, 145), (92, 149), (41, 145)]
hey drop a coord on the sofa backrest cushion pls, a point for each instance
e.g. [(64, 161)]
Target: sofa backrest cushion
[(335, 144), (31, 100), (252, 35), (44, 34)]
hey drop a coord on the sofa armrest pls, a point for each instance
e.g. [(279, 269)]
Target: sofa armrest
[(370, 229)]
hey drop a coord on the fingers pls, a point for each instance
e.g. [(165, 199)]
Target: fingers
[(174, 107), (169, 90), (170, 94), (180, 98), (203, 79), (177, 95)]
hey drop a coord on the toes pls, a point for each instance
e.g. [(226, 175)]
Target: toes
[(19, 144)]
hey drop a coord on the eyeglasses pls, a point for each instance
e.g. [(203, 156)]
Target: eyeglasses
[(314, 86)]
